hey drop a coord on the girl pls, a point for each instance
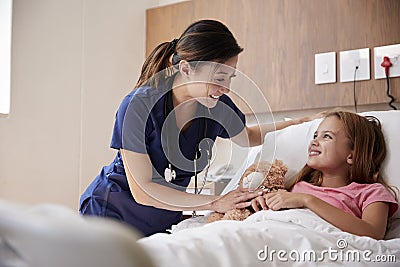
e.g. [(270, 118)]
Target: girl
[(177, 109), (341, 181)]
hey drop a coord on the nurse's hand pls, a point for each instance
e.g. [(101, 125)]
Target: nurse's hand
[(236, 199), (319, 115)]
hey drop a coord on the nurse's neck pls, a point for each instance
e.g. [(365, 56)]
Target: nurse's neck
[(181, 94)]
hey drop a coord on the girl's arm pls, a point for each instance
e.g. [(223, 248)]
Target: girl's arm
[(254, 135), (372, 224), (139, 172)]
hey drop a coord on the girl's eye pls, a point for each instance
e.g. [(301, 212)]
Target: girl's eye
[(220, 80), (327, 136), (315, 136)]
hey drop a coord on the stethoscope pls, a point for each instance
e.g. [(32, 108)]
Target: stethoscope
[(169, 172)]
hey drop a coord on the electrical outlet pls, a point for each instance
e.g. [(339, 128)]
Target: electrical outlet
[(325, 68), (351, 59), (391, 51)]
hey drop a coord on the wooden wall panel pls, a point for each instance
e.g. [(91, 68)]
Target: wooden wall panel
[(281, 37), (166, 23)]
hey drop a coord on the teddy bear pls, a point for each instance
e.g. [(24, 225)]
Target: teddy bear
[(259, 175)]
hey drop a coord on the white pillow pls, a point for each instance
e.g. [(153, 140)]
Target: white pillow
[(290, 146)]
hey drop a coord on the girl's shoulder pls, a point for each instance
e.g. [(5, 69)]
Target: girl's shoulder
[(373, 186), (374, 190)]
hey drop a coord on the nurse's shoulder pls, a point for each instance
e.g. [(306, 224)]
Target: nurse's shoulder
[(143, 96)]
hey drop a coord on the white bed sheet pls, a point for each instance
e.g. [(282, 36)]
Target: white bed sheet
[(297, 234)]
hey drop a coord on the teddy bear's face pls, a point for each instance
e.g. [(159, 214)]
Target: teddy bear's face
[(253, 180)]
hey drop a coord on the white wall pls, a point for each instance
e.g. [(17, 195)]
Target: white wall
[(72, 63), (113, 53)]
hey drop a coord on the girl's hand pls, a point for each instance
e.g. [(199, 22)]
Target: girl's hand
[(236, 199), (259, 202), (282, 199)]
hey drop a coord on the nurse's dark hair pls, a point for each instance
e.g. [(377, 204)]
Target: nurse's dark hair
[(204, 40), (367, 142)]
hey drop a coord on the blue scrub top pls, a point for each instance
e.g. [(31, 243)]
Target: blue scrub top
[(138, 127)]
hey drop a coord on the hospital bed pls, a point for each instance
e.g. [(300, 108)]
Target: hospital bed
[(51, 235)]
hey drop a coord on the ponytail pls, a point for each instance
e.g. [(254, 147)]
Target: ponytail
[(157, 61)]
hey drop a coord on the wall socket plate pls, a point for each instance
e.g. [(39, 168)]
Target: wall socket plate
[(391, 51), (325, 68), (348, 62)]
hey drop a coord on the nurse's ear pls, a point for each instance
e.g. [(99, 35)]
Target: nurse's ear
[(184, 68)]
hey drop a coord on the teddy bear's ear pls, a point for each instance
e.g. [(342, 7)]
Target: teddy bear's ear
[(253, 180)]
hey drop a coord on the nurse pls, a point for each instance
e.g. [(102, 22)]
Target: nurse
[(164, 131)]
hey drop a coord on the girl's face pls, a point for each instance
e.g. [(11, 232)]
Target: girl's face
[(210, 81), (329, 151)]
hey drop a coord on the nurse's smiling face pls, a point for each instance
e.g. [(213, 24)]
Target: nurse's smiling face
[(210, 81)]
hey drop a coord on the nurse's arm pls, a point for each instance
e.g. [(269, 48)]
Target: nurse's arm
[(138, 170), (255, 135)]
